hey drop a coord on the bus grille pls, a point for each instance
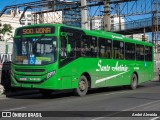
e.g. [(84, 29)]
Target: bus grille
[(30, 70)]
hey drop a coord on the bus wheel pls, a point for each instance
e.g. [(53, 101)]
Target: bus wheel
[(82, 86), (45, 92), (134, 81)]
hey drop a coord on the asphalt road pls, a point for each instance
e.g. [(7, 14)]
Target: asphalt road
[(116, 99)]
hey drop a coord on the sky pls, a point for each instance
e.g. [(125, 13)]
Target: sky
[(4, 3)]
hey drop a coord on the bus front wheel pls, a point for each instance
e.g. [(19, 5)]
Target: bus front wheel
[(82, 86), (134, 81)]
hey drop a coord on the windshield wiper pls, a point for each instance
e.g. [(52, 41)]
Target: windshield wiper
[(34, 44)]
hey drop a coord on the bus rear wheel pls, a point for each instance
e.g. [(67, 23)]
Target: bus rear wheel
[(45, 92), (82, 86), (134, 81)]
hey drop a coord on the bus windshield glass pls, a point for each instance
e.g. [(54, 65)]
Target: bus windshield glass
[(34, 50)]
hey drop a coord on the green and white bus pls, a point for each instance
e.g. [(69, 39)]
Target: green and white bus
[(59, 57)]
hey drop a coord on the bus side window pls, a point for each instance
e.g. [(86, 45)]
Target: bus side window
[(63, 52), (118, 49), (129, 51), (140, 52), (109, 48), (148, 53), (105, 48), (101, 44), (93, 47), (85, 45)]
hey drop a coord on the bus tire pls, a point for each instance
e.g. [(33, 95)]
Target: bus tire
[(134, 81), (45, 92), (82, 86)]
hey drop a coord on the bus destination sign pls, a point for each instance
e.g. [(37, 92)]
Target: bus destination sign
[(35, 30)]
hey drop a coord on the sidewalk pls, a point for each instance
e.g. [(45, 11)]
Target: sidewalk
[(1, 89), (19, 92), (156, 79)]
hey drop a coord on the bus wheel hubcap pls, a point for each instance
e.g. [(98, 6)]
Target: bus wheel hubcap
[(82, 85)]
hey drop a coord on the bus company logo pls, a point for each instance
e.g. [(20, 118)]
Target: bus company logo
[(21, 114), (117, 67), (122, 69), (6, 114)]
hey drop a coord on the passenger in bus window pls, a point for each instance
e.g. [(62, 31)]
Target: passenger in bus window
[(63, 52)]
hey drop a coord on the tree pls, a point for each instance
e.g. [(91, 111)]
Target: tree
[(6, 29)]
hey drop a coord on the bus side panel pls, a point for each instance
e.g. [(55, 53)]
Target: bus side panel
[(66, 82), (118, 75), (90, 66), (147, 74), (69, 74), (108, 73)]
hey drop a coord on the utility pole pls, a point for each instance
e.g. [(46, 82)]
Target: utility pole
[(84, 22), (106, 15), (144, 34), (119, 14), (155, 28), (41, 18), (90, 23)]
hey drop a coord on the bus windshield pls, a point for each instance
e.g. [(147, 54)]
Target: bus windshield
[(34, 50)]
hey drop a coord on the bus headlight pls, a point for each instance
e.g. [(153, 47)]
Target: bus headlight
[(50, 74)]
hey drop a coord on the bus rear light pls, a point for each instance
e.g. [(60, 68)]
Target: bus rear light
[(50, 74)]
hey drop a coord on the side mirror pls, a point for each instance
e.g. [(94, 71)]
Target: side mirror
[(68, 48), (64, 34)]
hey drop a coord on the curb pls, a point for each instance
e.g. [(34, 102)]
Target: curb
[(155, 80), (1, 90), (19, 93)]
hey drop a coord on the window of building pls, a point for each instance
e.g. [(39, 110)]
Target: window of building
[(140, 52), (148, 53), (105, 48), (29, 15), (118, 49), (129, 51), (112, 21), (29, 23)]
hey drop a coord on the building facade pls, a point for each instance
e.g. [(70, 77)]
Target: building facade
[(13, 21), (140, 37), (97, 23)]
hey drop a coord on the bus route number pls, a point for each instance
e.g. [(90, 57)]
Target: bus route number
[(36, 31)]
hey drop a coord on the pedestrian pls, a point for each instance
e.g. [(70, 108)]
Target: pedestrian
[(159, 74)]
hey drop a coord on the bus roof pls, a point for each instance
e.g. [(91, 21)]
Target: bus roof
[(98, 33)]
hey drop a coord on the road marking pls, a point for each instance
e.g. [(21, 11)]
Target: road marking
[(98, 118), (14, 109), (141, 105), (128, 109), (154, 118)]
